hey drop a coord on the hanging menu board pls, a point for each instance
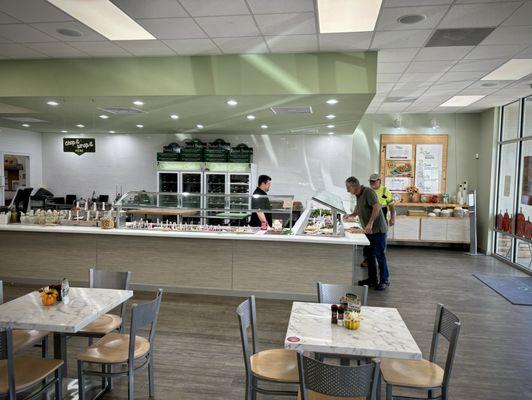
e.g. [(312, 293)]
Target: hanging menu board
[(428, 168)]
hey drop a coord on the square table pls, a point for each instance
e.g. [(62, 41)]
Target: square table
[(382, 333)]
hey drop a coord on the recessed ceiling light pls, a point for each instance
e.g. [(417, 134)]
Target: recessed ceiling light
[(250, 117), (232, 102), (511, 71), (411, 19), (138, 103), (26, 125), (489, 84), (63, 131), (264, 126), (199, 126), (80, 126), (330, 126), (347, 15), (461, 101), (103, 116), (52, 103), (69, 32), (140, 126), (330, 116), (112, 132), (331, 133), (332, 102), (174, 116), (105, 18)]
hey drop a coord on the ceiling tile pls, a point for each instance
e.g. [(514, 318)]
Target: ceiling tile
[(6, 19), (430, 66), (209, 8), (193, 46), (387, 78), (146, 48), (405, 3), (478, 15), (391, 68), (292, 43), (345, 41), (443, 53), (50, 28), (450, 85), (510, 35), (393, 55), (479, 85), (527, 53), (20, 33), (33, 11), (388, 18), (398, 39), (280, 6), (420, 77), (229, 26), (286, 24), (57, 50), (151, 8), (172, 28), (100, 49), (490, 52), (523, 15), (19, 51), (242, 45), (478, 65), (384, 87), (462, 76), (393, 107)]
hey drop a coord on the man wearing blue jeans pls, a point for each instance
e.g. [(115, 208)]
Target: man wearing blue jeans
[(370, 213)]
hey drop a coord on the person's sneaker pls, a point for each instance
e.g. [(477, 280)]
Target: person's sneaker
[(381, 286), (367, 282)]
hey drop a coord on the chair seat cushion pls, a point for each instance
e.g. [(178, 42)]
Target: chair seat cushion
[(411, 373), (114, 348), (28, 371), (318, 396), (104, 324), (277, 365), (22, 338)]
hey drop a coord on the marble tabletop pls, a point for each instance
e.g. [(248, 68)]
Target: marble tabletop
[(85, 305), (382, 333)]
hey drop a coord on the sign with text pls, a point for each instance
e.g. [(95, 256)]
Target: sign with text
[(79, 145)]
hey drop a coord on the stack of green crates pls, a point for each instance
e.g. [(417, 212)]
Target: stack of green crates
[(217, 151), (192, 151), (241, 154), (167, 156)]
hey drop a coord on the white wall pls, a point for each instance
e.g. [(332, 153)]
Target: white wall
[(298, 164)]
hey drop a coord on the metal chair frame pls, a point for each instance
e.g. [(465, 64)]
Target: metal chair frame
[(329, 291), (447, 325), (6, 353), (338, 381), (141, 315), (246, 313)]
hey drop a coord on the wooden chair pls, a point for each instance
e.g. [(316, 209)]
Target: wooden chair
[(320, 381), (26, 374), (23, 338), (425, 375), (274, 365), (117, 349), (331, 293)]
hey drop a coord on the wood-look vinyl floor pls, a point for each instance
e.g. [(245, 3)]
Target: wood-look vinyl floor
[(198, 353)]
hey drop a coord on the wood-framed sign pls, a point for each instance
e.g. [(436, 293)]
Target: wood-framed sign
[(79, 145), (414, 160)]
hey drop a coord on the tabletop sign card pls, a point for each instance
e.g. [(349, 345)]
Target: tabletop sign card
[(399, 152), (79, 145), (428, 174)]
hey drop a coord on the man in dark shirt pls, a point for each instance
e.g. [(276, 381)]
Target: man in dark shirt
[(371, 217), (260, 202)]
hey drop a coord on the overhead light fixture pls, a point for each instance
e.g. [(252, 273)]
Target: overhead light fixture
[(138, 103), (331, 133), (434, 124), (398, 121), (63, 131), (461, 101), (332, 102), (232, 102), (174, 116), (52, 103), (512, 70), (330, 126), (199, 126), (26, 125), (411, 19), (112, 132), (250, 117), (336, 16), (105, 18), (330, 116), (80, 126), (140, 126), (264, 126), (103, 116)]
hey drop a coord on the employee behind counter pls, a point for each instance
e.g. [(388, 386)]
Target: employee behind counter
[(261, 219)]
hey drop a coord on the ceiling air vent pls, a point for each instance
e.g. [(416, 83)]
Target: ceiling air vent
[(121, 110), (292, 110), (400, 99), (458, 37), (304, 131), (25, 120)]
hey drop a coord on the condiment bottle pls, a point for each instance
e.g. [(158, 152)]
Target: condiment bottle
[(340, 315), (334, 314)]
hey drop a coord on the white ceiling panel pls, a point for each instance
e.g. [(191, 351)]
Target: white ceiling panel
[(280, 6), (292, 43), (173, 28), (286, 24), (393, 107), (6, 19), (388, 78), (443, 53), (430, 66), (393, 55), (100, 49), (478, 65), (527, 53), (50, 28), (229, 26), (462, 76), (391, 68), (421, 77), (490, 52), (506, 35), (523, 15), (57, 50), (151, 8), (388, 18), (20, 33), (19, 51), (407, 3), (210, 8), (345, 41), (399, 39), (384, 87), (146, 48), (33, 11), (450, 86), (193, 46), (242, 45), (478, 15)]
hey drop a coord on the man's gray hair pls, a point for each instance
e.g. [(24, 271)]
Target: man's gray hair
[(352, 181)]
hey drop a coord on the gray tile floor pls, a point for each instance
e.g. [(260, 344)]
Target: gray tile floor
[(198, 345)]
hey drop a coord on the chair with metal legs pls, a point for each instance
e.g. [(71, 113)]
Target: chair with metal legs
[(425, 375), (28, 375), (23, 338), (119, 351), (331, 293), (274, 365), (320, 381)]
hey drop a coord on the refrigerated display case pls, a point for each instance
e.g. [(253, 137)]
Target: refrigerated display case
[(192, 183)]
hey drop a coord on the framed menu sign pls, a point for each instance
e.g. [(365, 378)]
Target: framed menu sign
[(429, 168), (79, 145)]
